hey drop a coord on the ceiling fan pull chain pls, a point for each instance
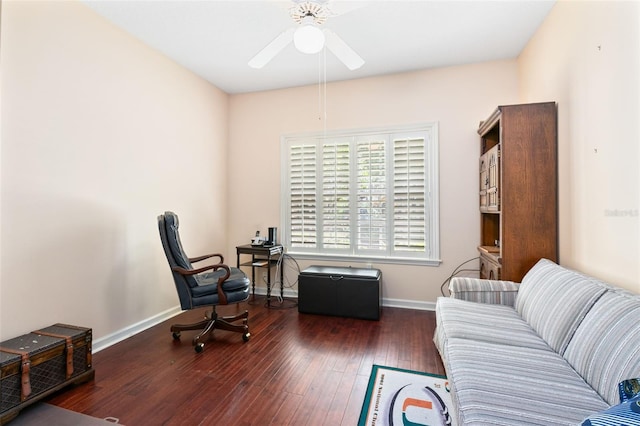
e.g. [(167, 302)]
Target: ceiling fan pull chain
[(324, 97), (320, 88)]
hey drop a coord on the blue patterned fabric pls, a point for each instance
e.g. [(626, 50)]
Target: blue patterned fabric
[(554, 300), (626, 413), (629, 389)]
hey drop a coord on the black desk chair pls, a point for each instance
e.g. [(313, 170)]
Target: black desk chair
[(211, 285)]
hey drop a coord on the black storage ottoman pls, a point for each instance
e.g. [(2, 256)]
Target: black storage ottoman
[(346, 292)]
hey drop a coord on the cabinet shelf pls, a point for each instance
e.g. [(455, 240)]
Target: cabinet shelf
[(489, 249), (488, 211)]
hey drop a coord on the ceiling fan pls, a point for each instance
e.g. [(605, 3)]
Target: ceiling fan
[(308, 37)]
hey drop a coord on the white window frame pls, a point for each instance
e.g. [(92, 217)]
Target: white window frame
[(427, 131)]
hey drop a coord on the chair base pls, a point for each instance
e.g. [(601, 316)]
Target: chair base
[(212, 322)]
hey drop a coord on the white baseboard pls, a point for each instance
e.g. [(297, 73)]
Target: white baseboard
[(275, 292), (408, 304), (120, 335), (389, 303)]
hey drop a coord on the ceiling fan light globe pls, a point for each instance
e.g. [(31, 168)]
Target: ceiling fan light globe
[(308, 39)]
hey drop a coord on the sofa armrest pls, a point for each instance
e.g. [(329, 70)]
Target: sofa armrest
[(484, 291)]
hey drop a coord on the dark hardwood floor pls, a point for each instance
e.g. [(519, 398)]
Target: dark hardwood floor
[(296, 369)]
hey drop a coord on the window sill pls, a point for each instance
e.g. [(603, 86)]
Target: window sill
[(365, 260)]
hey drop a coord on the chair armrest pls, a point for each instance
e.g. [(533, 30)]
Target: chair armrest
[(484, 291), (206, 256), (198, 270), (222, 298)]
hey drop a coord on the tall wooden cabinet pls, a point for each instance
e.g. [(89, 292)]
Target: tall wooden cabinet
[(518, 190)]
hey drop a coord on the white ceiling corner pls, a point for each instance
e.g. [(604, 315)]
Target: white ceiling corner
[(216, 38)]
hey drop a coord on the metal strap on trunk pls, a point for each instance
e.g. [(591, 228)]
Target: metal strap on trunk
[(69, 345), (26, 367)]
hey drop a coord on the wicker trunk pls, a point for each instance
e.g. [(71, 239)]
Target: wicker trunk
[(37, 364)]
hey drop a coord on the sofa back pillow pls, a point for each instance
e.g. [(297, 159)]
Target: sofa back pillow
[(605, 349), (554, 300)]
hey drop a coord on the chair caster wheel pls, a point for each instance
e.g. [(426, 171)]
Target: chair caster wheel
[(199, 347), (176, 335), (246, 336)]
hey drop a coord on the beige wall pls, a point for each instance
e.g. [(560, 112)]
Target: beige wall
[(100, 134), (586, 56), (456, 97)]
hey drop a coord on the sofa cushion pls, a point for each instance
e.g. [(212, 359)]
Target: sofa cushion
[(605, 349), (483, 322), (496, 384), (554, 300)]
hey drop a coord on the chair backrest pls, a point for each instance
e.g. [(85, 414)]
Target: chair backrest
[(170, 237)]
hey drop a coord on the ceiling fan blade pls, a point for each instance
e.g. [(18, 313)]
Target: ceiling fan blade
[(338, 47), (269, 52)]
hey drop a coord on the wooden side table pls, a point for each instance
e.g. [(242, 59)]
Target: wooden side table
[(262, 257)]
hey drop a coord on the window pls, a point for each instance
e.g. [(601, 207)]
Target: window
[(369, 194)]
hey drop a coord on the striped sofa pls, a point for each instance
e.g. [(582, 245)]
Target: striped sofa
[(548, 351)]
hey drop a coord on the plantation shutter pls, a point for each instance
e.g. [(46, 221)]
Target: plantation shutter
[(303, 198), (372, 196), (409, 204), (336, 224), (365, 194)]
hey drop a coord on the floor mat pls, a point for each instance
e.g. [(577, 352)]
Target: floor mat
[(51, 415), (397, 397)]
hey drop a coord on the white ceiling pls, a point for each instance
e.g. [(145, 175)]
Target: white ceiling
[(215, 38)]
